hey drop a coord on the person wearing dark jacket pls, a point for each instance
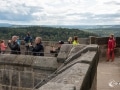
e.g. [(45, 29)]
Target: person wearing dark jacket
[(15, 48), (38, 49), (28, 42)]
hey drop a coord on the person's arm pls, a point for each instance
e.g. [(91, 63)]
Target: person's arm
[(37, 48), (4, 45)]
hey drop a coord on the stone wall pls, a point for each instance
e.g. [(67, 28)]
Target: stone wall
[(24, 72), (78, 72)]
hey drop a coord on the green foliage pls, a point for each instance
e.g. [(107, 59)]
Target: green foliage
[(47, 33)]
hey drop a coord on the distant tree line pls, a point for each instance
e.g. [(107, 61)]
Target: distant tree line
[(47, 33)]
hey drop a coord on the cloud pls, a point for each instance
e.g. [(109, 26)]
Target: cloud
[(60, 11), (113, 2)]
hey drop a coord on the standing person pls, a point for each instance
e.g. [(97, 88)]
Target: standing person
[(3, 47), (28, 41), (38, 49), (18, 40), (15, 48), (111, 46), (0, 48), (75, 41), (70, 40)]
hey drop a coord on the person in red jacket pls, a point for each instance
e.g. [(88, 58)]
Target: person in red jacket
[(111, 46), (3, 47)]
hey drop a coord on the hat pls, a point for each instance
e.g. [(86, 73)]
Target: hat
[(61, 42)]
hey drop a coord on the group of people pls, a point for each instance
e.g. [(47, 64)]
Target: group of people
[(74, 42), (14, 45), (70, 41), (38, 48)]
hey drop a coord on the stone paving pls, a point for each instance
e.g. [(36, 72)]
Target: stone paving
[(108, 74)]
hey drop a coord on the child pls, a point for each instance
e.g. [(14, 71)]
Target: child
[(3, 47)]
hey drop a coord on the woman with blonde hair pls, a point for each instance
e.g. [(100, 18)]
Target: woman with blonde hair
[(70, 40)]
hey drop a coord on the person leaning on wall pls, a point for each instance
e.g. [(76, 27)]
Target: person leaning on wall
[(38, 49), (75, 41), (3, 46), (70, 40), (13, 45)]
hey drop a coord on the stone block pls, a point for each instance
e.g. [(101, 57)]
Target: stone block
[(92, 39), (75, 49), (57, 86), (102, 40), (73, 75), (76, 55), (86, 58), (26, 80), (7, 58), (47, 63), (64, 52), (15, 78)]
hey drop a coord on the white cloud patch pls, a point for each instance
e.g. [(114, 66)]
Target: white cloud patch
[(59, 12)]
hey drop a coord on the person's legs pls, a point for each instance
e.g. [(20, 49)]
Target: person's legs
[(108, 54), (27, 50), (113, 56)]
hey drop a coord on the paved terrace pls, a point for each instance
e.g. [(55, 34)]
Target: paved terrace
[(108, 72)]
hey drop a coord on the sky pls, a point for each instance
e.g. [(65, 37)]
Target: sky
[(60, 12)]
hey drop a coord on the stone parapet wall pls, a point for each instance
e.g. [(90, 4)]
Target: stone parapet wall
[(24, 71), (40, 62), (78, 71)]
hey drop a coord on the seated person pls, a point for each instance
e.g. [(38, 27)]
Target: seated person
[(15, 48), (38, 49), (56, 50), (53, 50)]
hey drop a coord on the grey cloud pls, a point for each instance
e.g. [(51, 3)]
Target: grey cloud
[(29, 10), (108, 16), (113, 2), (96, 18), (15, 17)]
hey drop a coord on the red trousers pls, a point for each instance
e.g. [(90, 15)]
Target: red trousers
[(110, 54)]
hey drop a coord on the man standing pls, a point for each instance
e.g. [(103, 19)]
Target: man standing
[(28, 42), (15, 48)]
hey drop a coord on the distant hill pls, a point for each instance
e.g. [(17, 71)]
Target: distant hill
[(47, 33), (84, 26), (5, 25)]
